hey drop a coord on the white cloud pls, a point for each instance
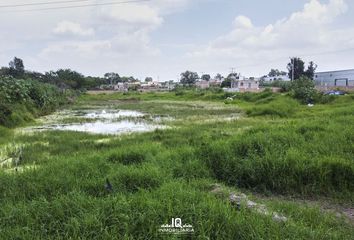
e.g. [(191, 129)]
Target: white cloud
[(138, 14), (243, 22), (86, 48), (67, 27), (305, 32), (315, 12), (119, 38), (97, 39)]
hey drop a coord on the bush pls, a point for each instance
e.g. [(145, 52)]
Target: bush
[(19, 99), (324, 99), (303, 89)]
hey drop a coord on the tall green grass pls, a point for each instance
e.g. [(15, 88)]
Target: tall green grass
[(292, 158), (58, 190)]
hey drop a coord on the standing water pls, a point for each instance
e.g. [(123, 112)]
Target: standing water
[(100, 122)]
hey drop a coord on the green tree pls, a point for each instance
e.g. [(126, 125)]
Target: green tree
[(189, 78), (218, 76), (303, 89), (112, 78), (206, 77), (299, 68), (148, 79), (226, 83), (311, 69), (16, 68), (4, 72), (70, 78), (276, 72), (298, 65), (233, 76)]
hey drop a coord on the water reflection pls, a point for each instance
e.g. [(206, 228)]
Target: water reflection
[(100, 127), (102, 122)]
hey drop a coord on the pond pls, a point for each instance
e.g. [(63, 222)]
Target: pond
[(97, 121)]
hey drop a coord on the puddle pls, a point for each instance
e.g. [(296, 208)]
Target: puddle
[(101, 127), (100, 122), (104, 114)]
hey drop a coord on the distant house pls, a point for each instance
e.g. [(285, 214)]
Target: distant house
[(169, 85), (284, 78), (150, 87), (333, 79), (245, 85), (134, 85), (121, 87), (215, 82), (202, 84)]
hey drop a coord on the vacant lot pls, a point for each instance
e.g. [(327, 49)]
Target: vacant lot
[(289, 159)]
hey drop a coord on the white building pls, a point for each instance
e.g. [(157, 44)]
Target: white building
[(150, 86), (284, 78), (245, 84), (215, 82), (121, 87), (342, 78), (202, 84)]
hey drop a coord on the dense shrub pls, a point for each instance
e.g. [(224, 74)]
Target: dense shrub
[(21, 99), (322, 98), (303, 89)]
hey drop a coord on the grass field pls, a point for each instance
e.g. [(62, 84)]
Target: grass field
[(295, 160)]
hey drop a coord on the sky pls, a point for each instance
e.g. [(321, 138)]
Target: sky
[(162, 38)]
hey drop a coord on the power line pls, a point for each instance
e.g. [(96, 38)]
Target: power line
[(76, 6), (41, 3)]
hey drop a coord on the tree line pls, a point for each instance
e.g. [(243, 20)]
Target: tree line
[(62, 78)]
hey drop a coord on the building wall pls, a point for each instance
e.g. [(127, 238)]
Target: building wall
[(344, 78), (202, 84), (245, 84)]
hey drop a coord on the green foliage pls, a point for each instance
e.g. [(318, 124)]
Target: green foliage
[(276, 72), (189, 78), (206, 77), (59, 190), (21, 99), (298, 66), (303, 89), (280, 108), (283, 85), (16, 68), (226, 83), (112, 78)]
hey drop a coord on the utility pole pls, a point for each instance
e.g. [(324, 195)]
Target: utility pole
[(293, 69)]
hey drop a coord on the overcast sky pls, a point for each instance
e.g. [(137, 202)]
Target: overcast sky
[(162, 38)]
